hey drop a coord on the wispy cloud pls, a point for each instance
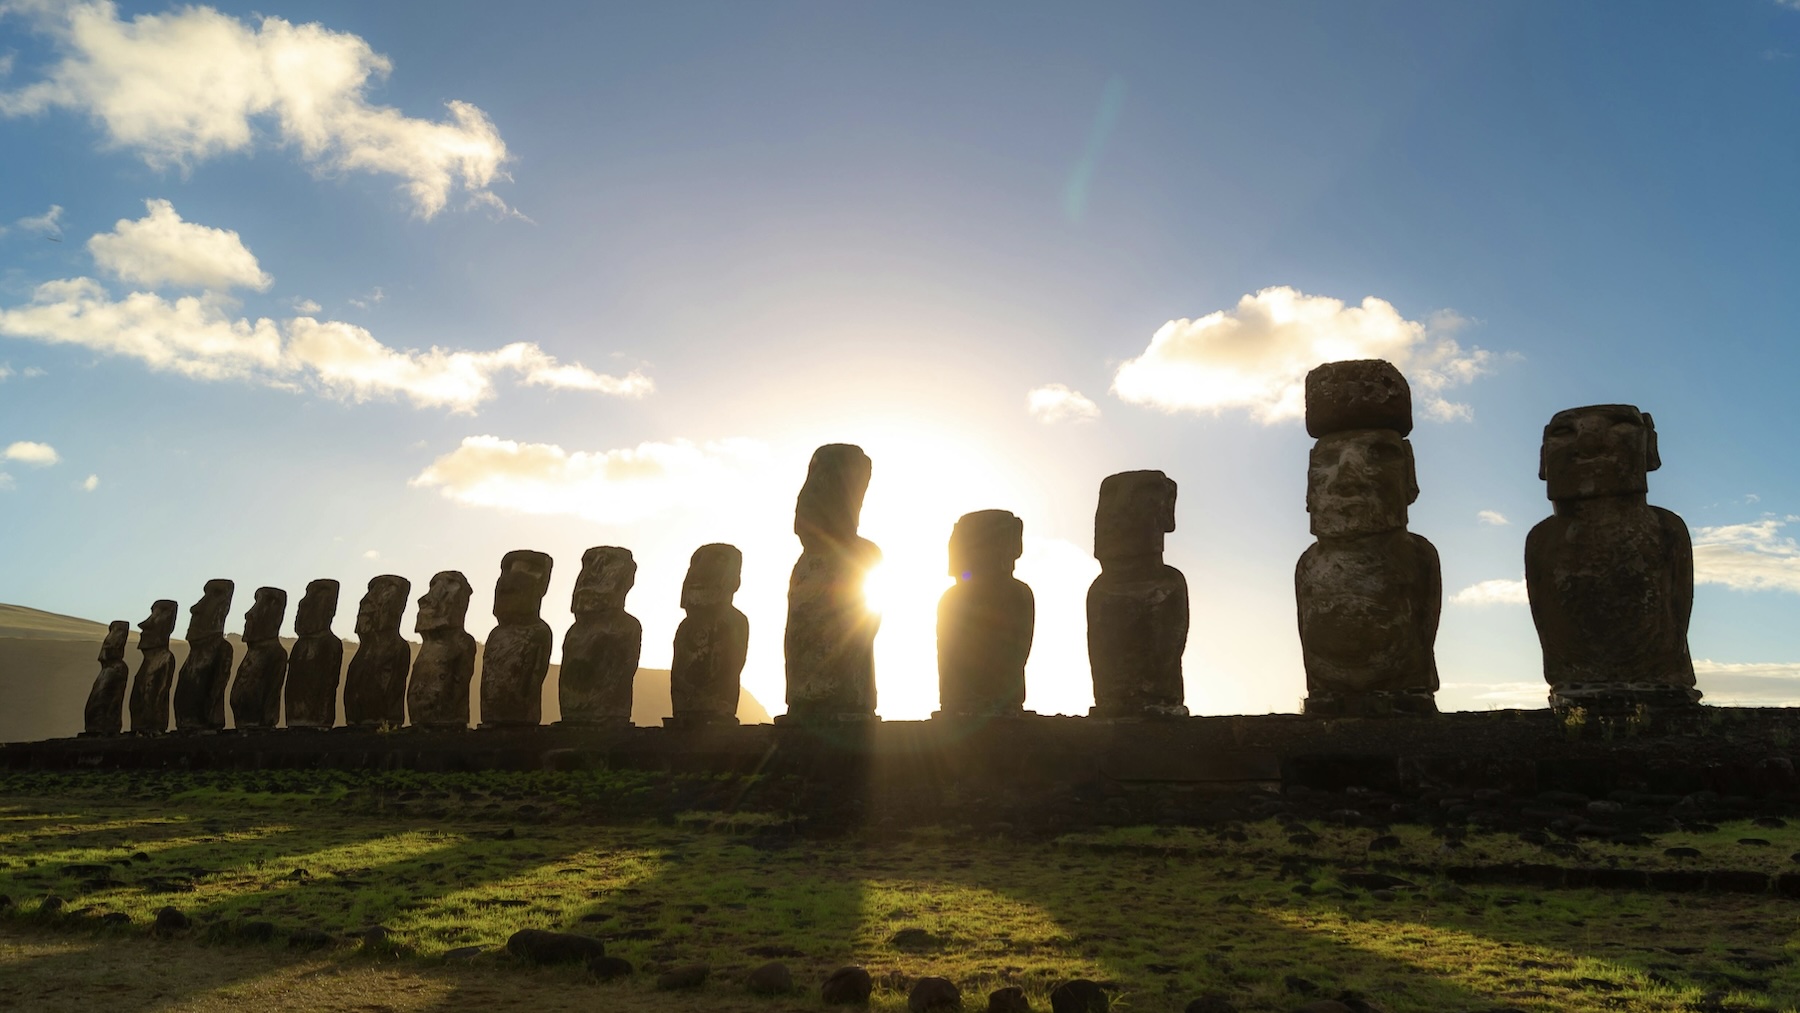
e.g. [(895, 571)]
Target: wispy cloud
[(90, 483), (1755, 556), (162, 249), (1055, 402), (374, 297), (38, 455), (1492, 592), (46, 224), (1493, 517), (1751, 684)]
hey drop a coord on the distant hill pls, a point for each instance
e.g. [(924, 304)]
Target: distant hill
[(48, 663)]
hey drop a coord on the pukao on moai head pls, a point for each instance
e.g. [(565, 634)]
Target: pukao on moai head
[(437, 695), (601, 650), (1611, 578), (105, 710), (317, 660), (517, 657), (712, 641), (985, 620), (375, 683), (256, 694), (1369, 592), (1137, 609), (156, 672), (200, 686), (830, 638)]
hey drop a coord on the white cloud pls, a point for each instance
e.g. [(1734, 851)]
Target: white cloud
[(91, 483), (374, 298), (1748, 557), (39, 455), (1492, 592), (1497, 694), (1494, 517), (45, 224), (1255, 356), (305, 307), (372, 554), (6, 482), (160, 248), (1055, 402), (32, 372), (1752, 684), (181, 87), (5, 371)]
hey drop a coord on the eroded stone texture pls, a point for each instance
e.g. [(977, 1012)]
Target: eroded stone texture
[(1611, 578), (375, 682), (829, 643), (200, 685), (105, 710), (600, 652), (437, 695), (517, 657), (1137, 609), (317, 660), (156, 671), (256, 693), (985, 621), (1357, 394), (712, 642)]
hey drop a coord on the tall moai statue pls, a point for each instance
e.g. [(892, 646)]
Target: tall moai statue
[(1137, 609), (830, 639), (712, 641), (1369, 592), (375, 683), (1611, 578), (601, 650), (105, 710), (985, 621), (156, 672), (437, 695), (517, 656), (317, 660), (200, 686), (262, 674)]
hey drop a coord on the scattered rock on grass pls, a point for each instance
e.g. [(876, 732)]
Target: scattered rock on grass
[(256, 932), (847, 986), (609, 968), (772, 978), (308, 939), (539, 946), (1295, 983), (915, 939), (934, 995), (1010, 999), (115, 918), (1079, 996), (1211, 1004), (683, 977), (169, 921), (464, 952)]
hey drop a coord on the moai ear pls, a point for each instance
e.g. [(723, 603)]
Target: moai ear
[(1412, 475), (1652, 457), (1542, 477)]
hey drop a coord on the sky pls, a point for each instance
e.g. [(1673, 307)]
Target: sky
[(321, 289)]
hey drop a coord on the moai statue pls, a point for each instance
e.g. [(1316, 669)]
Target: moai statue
[(437, 695), (156, 672), (600, 652), (105, 711), (985, 621), (375, 683), (711, 643), (830, 638), (517, 657), (256, 693), (1137, 609), (317, 660), (200, 686), (1369, 592), (1611, 578)]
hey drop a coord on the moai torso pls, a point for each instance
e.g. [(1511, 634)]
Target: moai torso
[(156, 671), (200, 686), (1137, 609), (375, 682), (829, 642), (601, 650), (256, 693), (437, 695), (985, 621), (517, 657), (712, 641), (317, 661), (105, 710)]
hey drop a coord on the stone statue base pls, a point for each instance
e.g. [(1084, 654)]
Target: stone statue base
[(808, 718), (983, 716), (682, 721), (1373, 704), (1139, 712), (1621, 700)]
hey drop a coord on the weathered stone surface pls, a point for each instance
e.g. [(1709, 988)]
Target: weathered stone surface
[(1010, 999), (200, 685), (1137, 609), (712, 642), (375, 682), (105, 710), (1212, 1004), (985, 621), (609, 968), (437, 694), (1357, 394), (1610, 578), (1079, 996), (829, 643), (847, 986), (261, 675), (317, 659), (517, 657), (601, 650), (539, 946), (772, 978), (684, 977), (156, 671), (934, 995)]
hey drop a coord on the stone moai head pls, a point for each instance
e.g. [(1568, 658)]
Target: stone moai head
[(382, 606), (158, 626), (1360, 483), (713, 576), (1357, 394), (608, 574), (207, 616), (1599, 450), (318, 606), (113, 647), (445, 604), (987, 542), (830, 503), (519, 592), (1136, 509), (263, 620)]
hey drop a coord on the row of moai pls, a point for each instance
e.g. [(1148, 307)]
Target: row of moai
[(1610, 581)]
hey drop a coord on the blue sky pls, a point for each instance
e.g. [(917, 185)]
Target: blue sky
[(662, 251)]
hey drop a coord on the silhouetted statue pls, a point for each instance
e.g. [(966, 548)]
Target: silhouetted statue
[(105, 710), (830, 638), (437, 696), (517, 656), (1611, 578), (1369, 591), (600, 652), (200, 686), (712, 642), (156, 672), (985, 621), (256, 693), (1137, 609), (375, 683), (317, 660)]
